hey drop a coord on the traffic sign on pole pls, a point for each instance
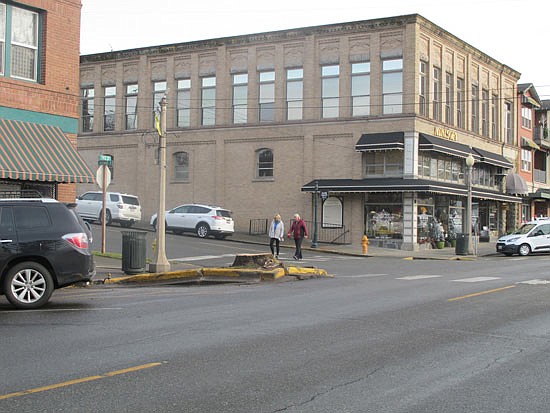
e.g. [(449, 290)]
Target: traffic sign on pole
[(103, 170)]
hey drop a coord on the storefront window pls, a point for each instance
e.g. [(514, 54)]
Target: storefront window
[(439, 219), (384, 216)]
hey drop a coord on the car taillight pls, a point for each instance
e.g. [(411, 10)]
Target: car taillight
[(217, 217), (77, 240)]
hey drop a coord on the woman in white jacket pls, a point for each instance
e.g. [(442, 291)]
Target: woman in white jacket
[(276, 234)]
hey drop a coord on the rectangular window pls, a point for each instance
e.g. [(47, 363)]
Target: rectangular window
[(423, 88), (449, 98), (294, 94), (436, 89), (267, 96), (460, 104), (360, 89), (475, 109), (159, 90), (87, 114), (19, 36), (23, 43), (208, 101), (109, 106), (240, 98), (392, 86), (494, 117), (183, 113), (526, 160), (330, 91), (485, 113), (526, 117), (131, 106), (508, 123)]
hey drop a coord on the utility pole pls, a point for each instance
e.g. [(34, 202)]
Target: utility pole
[(161, 263)]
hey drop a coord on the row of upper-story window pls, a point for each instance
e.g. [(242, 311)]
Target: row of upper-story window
[(19, 42), (447, 98), (294, 103), (433, 166)]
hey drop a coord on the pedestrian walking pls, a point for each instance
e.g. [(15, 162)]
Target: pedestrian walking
[(276, 234), (298, 231)]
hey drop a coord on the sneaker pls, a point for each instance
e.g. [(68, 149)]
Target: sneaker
[(295, 257), (276, 256)]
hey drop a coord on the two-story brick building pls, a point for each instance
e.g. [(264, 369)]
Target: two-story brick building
[(39, 97), (375, 118)]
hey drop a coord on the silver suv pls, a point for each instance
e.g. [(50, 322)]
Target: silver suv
[(204, 220), (122, 208)]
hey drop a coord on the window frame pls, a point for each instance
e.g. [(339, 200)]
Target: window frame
[(449, 98), (183, 104), (422, 88), (181, 166), (436, 93), (388, 93), (461, 103), (240, 98), (208, 103), (87, 107), (109, 101), (266, 166), (474, 126), (360, 71), (266, 96), (330, 91), (295, 103), (131, 106)]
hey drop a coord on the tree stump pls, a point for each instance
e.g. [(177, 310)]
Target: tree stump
[(265, 261)]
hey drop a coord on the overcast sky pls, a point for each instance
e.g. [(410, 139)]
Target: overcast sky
[(514, 32)]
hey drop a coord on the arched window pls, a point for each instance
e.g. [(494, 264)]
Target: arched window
[(181, 166), (264, 163)]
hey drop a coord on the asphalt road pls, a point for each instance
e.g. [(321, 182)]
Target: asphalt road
[(383, 335)]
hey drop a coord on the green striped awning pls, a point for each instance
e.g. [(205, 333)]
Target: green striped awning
[(37, 152)]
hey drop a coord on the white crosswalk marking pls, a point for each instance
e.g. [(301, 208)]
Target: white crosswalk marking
[(418, 277), (476, 279), (535, 282)]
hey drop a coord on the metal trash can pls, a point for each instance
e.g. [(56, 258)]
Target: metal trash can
[(133, 252), (461, 247)]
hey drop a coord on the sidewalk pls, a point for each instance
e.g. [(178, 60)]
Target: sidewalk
[(111, 267)]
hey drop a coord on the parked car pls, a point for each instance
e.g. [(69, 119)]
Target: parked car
[(43, 246), (122, 208), (204, 220), (533, 236)]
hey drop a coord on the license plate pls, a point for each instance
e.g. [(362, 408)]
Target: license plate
[(499, 247)]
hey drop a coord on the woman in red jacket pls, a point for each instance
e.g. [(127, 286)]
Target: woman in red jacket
[(298, 231)]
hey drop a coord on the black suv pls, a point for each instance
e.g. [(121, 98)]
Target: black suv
[(43, 246)]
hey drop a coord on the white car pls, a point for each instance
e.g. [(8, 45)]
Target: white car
[(533, 236), (204, 220), (122, 208)]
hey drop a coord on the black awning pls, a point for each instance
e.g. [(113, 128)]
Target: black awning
[(403, 185), (431, 143), (380, 142), (493, 158)]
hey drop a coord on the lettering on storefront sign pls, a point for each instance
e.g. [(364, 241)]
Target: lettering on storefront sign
[(446, 134)]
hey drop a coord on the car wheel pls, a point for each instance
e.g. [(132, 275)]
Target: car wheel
[(108, 218), (28, 285), (202, 230), (524, 249)]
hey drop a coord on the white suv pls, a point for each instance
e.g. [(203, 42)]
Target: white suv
[(533, 236), (122, 208), (202, 219)]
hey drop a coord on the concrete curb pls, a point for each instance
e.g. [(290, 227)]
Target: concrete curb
[(219, 275)]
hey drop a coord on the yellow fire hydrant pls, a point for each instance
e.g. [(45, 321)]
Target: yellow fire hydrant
[(365, 245)]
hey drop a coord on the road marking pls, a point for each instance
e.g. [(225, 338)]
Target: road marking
[(481, 293), (360, 276), (418, 277), (201, 257), (476, 279), (534, 282), (78, 381)]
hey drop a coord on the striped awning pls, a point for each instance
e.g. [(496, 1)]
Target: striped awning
[(37, 152)]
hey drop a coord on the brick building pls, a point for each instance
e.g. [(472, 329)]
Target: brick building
[(375, 118), (39, 97)]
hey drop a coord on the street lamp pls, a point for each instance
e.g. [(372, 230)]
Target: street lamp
[(469, 163), (314, 240)]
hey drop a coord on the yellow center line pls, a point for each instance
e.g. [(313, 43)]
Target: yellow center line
[(481, 293), (78, 381)]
